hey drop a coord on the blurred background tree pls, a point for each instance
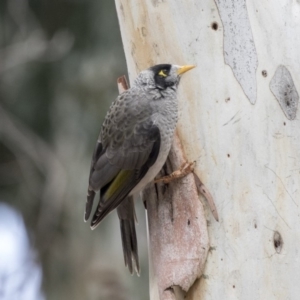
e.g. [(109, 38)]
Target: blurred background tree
[(59, 61)]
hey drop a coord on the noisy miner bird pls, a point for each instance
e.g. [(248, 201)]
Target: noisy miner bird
[(132, 147)]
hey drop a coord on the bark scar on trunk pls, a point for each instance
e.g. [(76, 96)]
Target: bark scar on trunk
[(178, 237)]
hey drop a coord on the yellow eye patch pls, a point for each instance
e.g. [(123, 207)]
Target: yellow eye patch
[(162, 73)]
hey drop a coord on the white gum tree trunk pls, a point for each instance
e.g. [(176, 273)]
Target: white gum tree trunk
[(239, 121)]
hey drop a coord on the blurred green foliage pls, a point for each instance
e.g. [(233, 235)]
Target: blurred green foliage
[(59, 61)]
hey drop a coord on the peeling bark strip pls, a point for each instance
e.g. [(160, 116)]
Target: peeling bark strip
[(207, 195), (239, 48), (283, 88), (122, 84), (178, 237)]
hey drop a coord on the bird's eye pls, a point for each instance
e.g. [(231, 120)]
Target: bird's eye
[(162, 73)]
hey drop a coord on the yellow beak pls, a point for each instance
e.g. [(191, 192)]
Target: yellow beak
[(184, 69)]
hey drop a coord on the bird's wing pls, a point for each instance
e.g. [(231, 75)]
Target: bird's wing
[(128, 146), (101, 173), (127, 130), (113, 193)]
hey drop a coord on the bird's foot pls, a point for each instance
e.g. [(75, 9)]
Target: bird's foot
[(184, 170)]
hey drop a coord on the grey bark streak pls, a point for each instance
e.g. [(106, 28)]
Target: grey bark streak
[(239, 48), (283, 88)]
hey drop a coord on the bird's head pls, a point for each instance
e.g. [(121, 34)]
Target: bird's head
[(163, 76)]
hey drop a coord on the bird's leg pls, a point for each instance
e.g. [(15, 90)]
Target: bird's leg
[(184, 170)]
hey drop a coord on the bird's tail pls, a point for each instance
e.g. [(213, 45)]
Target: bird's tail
[(127, 218)]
